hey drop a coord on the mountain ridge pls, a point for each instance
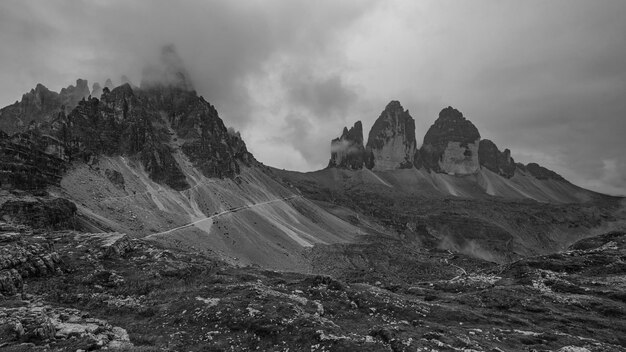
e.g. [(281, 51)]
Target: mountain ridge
[(453, 146)]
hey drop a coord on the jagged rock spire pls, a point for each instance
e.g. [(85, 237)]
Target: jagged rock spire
[(391, 142), (348, 151), (490, 157), (450, 145)]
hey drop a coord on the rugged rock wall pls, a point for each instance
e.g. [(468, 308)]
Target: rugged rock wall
[(348, 151), (30, 162), (391, 142), (41, 105), (490, 157), (46, 213), (540, 172), (19, 260), (450, 145)]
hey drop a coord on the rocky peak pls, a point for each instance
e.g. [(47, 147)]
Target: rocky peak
[(109, 84), (73, 94), (169, 72), (450, 145), (96, 90), (142, 123), (490, 157), (540, 172), (348, 151), (391, 142)]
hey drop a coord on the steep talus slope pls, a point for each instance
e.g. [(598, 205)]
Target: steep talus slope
[(29, 162), (250, 219), (158, 161), (452, 212)]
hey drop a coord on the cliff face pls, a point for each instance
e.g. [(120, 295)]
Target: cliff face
[(30, 162), (540, 172), (450, 145), (490, 157), (41, 106), (149, 124), (391, 141), (348, 151)]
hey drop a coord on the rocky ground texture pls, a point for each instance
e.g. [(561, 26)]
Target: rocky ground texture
[(95, 291)]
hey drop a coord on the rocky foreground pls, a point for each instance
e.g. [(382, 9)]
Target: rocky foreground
[(66, 290)]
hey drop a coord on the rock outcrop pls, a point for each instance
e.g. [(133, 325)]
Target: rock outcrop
[(40, 106), (391, 142), (96, 90), (348, 151), (29, 161), (540, 172), (71, 95), (52, 213), (490, 157), (42, 324), (450, 145), (148, 123), (109, 84), (19, 260)]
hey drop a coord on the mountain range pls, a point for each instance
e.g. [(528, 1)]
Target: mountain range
[(152, 171)]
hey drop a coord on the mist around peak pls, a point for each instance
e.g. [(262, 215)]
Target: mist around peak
[(169, 71)]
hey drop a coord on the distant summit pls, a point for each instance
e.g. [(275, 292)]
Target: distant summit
[(450, 145), (169, 72), (490, 157), (41, 105), (348, 151), (147, 123), (391, 141)]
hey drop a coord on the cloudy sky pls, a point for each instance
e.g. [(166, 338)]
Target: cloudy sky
[(546, 79)]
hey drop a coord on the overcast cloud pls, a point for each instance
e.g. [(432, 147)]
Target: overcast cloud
[(545, 79)]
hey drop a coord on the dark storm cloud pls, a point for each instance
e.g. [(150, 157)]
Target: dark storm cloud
[(222, 42), (324, 97), (558, 89)]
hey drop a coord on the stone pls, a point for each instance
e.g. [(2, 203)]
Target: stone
[(11, 282), (115, 177), (30, 161), (391, 142)]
